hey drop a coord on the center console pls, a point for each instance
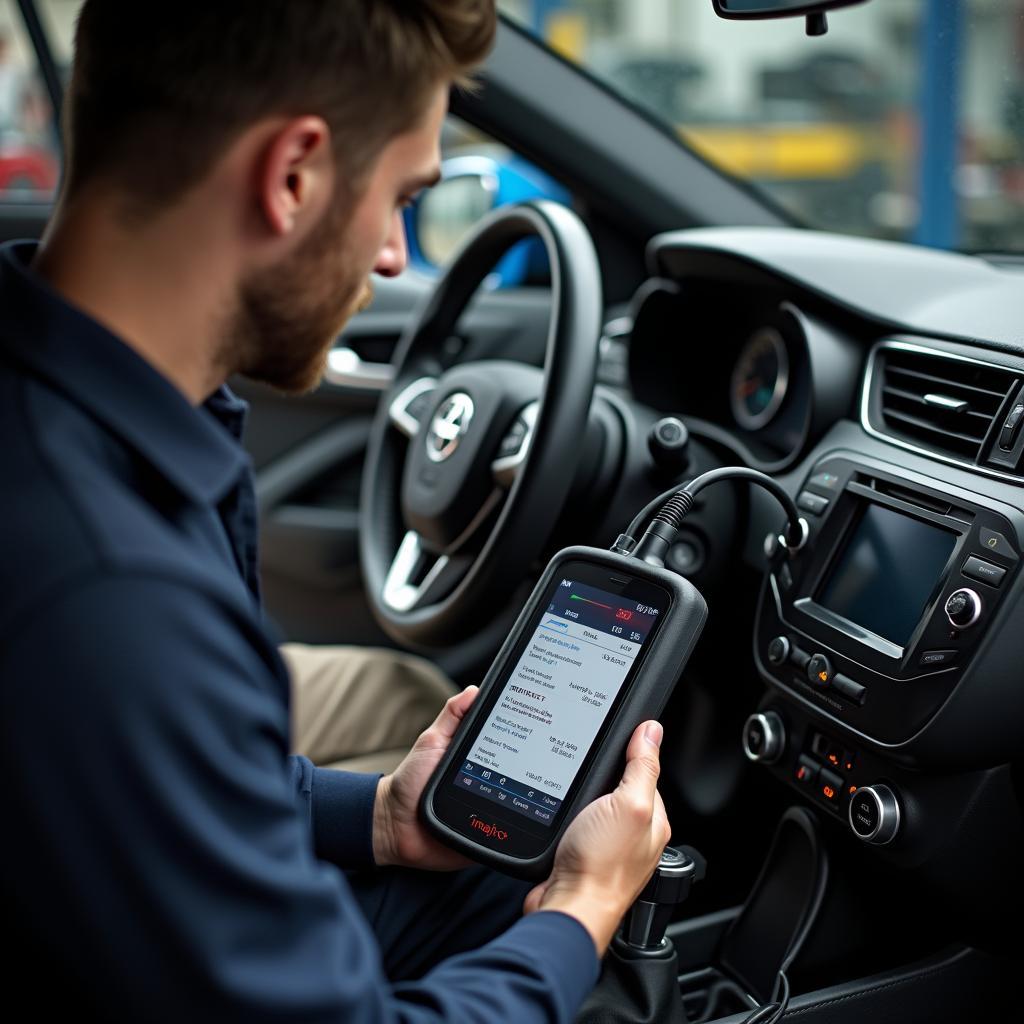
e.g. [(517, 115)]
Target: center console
[(866, 632)]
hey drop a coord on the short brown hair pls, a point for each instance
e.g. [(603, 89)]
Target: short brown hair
[(159, 91)]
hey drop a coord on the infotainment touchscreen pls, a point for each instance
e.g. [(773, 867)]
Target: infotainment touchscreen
[(886, 573), (533, 743)]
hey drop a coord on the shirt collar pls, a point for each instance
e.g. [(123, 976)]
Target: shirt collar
[(196, 450)]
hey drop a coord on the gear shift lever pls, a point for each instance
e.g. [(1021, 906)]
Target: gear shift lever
[(640, 978), (643, 928)]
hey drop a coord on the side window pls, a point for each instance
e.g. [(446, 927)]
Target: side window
[(479, 175), (29, 153)]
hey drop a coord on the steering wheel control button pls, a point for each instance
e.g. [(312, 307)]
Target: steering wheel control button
[(778, 650), (848, 688), (874, 814), (813, 503), (996, 543), (984, 572), (937, 659), (963, 608), (515, 446), (411, 406), (418, 406), (764, 737), (668, 442), (513, 440), (830, 787), (806, 773), (819, 671)]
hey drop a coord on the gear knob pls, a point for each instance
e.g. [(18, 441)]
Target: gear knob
[(643, 928)]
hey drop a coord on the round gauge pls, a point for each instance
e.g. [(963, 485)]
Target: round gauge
[(759, 379)]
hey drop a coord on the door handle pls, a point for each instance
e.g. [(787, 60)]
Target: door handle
[(347, 369)]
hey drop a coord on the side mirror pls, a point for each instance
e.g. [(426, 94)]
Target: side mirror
[(473, 184), (450, 210), (813, 10)]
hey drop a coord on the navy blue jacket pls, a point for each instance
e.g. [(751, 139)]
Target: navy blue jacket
[(164, 857)]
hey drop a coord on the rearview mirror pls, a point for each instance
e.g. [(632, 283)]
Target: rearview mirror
[(813, 10)]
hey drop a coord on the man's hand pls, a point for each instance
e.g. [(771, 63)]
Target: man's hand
[(398, 836), (610, 851)]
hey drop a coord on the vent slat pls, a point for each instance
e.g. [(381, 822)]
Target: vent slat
[(936, 383), (933, 428), (969, 416), (905, 377)]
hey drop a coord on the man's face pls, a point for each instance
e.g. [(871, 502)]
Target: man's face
[(289, 315)]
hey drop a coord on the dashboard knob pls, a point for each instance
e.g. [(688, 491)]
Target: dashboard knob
[(874, 814), (779, 650), (963, 608), (668, 443), (764, 737)]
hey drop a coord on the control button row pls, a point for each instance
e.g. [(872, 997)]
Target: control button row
[(817, 668), (822, 674), (826, 784)]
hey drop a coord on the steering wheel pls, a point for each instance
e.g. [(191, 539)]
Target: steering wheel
[(467, 469)]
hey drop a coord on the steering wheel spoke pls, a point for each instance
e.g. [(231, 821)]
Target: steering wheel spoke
[(410, 406), (515, 446), (418, 578)]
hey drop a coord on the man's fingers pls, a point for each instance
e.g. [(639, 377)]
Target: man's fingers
[(643, 764), (534, 897), (453, 712)]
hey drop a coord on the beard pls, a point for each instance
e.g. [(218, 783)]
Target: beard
[(288, 317)]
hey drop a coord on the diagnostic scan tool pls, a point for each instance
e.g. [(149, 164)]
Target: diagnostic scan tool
[(596, 651)]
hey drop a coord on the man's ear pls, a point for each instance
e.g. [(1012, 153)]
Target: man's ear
[(296, 174)]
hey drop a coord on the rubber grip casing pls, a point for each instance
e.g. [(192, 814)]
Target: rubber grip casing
[(659, 669)]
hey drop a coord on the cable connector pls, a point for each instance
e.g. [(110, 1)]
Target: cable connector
[(624, 544), (669, 510)]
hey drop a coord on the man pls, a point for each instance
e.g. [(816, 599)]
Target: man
[(235, 172)]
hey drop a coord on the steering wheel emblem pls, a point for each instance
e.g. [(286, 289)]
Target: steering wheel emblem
[(448, 425)]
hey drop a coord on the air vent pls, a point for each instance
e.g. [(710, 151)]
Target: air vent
[(929, 400)]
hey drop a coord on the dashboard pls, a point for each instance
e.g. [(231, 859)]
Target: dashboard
[(883, 385)]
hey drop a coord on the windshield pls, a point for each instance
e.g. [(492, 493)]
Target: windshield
[(905, 121)]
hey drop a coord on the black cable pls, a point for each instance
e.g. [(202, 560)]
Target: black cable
[(773, 1011), (671, 507)]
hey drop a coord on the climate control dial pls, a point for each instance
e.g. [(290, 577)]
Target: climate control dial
[(764, 737), (875, 814)]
